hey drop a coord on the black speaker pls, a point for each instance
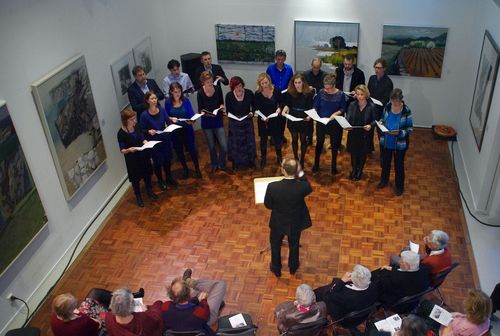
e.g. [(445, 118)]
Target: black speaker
[(190, 63)]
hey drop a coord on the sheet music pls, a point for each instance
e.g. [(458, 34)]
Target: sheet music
[(232, 116), (382, 127), (376, 101), (343, 122), (315, 116), (169, 129), (348, 94), (214, 112), (138, 305), (292, 118), (193, 118), (147, 145), (216, 82), (263, 117), (284, 91), (260, 187), (414, 247)]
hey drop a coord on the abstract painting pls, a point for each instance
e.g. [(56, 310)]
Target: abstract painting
[(121, 71), (329, 41), (21, 211), (414, 51), (68, 114), (143, 56), (244, 44), (485, 85)]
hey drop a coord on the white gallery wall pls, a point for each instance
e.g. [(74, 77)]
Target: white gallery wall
[(37, 36)]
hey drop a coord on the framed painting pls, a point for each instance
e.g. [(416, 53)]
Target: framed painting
[(69, 118), (414, 51), (121, 71), (484, 88), (329, 41), (143, 55), (245, 44), (21, 211)]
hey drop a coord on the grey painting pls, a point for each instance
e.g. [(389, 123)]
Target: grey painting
[(21, 211), (143, 55), (121, 71), (68, 114), (329, 41), (485, 85)]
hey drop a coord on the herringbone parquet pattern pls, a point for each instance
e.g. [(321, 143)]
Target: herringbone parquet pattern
[(214, 227)]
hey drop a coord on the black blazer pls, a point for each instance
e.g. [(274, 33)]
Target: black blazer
[(289, 210), (216, 71), (358, 77), (342, 300), (136, 96)]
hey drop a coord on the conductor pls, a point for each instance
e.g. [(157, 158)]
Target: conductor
[(289, 215)]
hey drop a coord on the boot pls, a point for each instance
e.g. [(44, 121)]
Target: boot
[(171, 180), (162, 185), (140, 202), (152, 195)]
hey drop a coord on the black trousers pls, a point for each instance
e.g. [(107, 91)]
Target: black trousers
[(136, 184), (399, 166), (358, 160), (278, 140), (182, 142), (295, 145), (275, 240)]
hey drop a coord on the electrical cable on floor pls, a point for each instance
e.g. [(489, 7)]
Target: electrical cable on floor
[(460, 190)]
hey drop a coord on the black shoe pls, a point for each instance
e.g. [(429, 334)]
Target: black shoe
[(172, 181), (152, 195), (277, 273), (227, 170), (139, 294), (162, 185), (213, 170), (140, 202), (293, 271), (187, 274), (381, 185), (198, 174), (352, 175), (315, 168), (399, 191), (185, 173), (359, 174)]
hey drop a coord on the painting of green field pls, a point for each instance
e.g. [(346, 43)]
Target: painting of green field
[(21, 211), (244, 44)]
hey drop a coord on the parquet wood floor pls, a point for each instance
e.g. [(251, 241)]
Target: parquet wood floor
[(214, 227)]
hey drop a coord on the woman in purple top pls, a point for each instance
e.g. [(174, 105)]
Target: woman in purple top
[(329, 103), (209, 99), (138, 162), (177, 107)]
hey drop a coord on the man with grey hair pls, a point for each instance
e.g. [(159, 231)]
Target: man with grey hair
[(409, 278), (354, 291), (304, 309), (122, 320)]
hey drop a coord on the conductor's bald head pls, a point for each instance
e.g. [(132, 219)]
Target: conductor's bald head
[(290, 167)]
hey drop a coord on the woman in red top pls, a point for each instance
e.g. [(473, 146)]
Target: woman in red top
[(66, 320)]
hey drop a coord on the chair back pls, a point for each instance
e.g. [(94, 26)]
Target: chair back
[(439, 278), (307, 329), (224, 327), (170, 332), (28, 331), (355, 318), (408, 303)]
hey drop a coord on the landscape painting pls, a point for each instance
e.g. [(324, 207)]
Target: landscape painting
[(68, 114), (329, 41), (121, 71), (21, 211), (484, 88), (414, 51), (143, 56), (245, 44)]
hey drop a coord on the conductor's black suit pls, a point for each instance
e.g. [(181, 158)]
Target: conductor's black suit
[(289, 216)]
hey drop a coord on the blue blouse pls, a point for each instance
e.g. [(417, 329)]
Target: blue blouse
[(326, 104), (392, 124)]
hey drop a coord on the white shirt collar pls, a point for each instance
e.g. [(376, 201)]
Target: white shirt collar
[(354, 287), (436, 252)]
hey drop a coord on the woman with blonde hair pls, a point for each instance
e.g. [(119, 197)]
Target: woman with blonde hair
[(267, 100)]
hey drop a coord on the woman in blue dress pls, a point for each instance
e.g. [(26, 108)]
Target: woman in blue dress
[(178, 107), (155, 119)]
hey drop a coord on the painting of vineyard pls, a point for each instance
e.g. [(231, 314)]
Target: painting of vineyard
[(329, 41), (245, 44), (414, 51)]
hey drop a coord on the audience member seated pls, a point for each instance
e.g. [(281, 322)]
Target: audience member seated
[(409, 278), (304, 309), (412, 325), (354, 291), (437, 256), (475, 321), (195, 304), (123, 321), (67, 320)]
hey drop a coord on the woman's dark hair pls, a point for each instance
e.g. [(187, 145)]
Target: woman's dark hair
[(381, 61), (148, 95), (235, 81), (396, 94), (171, 89), (413, 325), (291, 86)]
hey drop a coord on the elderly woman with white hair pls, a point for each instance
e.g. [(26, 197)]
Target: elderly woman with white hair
[(437, 255), (123, 321), (354, 291), (304, 309)]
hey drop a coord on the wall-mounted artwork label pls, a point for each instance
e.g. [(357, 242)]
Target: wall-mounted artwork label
[(21, 211), (245, 44), (329, 41), (414, 51), (68, 114)]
